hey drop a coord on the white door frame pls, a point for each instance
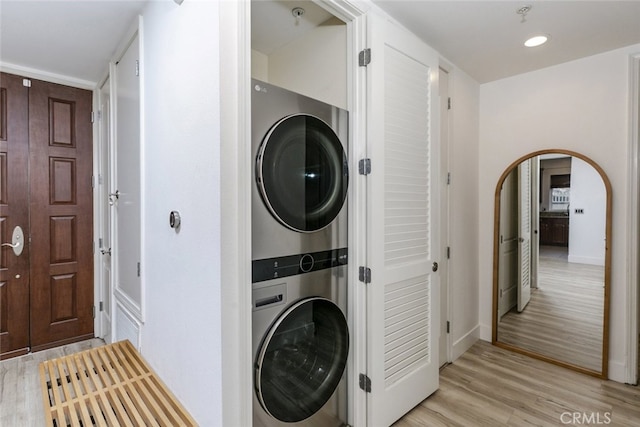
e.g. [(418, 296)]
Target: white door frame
[(633, 245), (102, 186), (235, 134), (101, 197), (445, 215)]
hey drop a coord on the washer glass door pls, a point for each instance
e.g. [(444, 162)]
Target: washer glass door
[(302, 359), (302, 172)]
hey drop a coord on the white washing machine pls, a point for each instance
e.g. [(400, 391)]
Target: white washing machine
[(299, 260)]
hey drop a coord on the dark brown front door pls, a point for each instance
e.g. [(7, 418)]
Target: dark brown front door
[(56, 209), (14, 212)]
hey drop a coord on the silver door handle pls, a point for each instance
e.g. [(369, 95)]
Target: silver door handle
[(113, 197), (17, 241)]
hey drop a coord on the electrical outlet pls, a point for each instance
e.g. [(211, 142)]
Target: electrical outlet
[(579, 211)]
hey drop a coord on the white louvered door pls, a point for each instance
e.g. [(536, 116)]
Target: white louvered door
[(403, 296), (524, 234)]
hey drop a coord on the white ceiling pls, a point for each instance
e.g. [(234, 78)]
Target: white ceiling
[(70, 38), (76, 38), (485, 38)]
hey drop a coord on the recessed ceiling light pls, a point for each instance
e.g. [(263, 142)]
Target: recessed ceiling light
[(536, 41)]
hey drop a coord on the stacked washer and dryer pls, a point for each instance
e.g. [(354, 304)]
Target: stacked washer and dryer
[(299, 259)]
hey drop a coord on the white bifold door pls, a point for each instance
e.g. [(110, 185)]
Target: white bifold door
[(403, 295)]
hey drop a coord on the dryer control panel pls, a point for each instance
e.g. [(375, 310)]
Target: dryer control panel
[(274, 268)]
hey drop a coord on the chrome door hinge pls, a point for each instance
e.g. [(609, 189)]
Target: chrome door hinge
[(364, 166), (448, 178), (364, 58), (93, 313), (93, 117), (365, 383), (448, 326), (449, 103), (137, 67), (448, 252), (26, 82), (101, 306), (138, 269), (364, 274)]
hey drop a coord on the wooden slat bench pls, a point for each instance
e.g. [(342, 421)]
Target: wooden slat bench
[(110, 386)]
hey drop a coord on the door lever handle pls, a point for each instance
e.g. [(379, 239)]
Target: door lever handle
[(17, 241), (105, 251)]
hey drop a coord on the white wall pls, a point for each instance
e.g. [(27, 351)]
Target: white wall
[(182, 333), (463, 155), (587, 230), (314, 65), (582, 106), (259, 66)]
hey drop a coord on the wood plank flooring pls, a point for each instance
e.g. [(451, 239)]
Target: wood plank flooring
[(564, 319), (21, 402), (489, 386)]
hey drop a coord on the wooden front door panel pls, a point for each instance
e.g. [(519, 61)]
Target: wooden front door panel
[(61, 159), (14, 211)]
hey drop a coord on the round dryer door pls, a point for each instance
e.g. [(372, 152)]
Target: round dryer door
[(302, 172), (302, 359)]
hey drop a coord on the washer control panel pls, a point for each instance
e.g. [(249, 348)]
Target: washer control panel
[(274, 268)]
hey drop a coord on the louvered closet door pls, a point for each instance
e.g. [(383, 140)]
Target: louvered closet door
[(403, 296), (524, 234)]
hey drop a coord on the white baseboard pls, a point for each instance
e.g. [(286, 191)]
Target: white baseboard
[(577, 259), (463, 344), (485, 332), (617, 371), (126, 326)]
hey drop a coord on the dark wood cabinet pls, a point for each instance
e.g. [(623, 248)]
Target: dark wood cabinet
[(554, 231)]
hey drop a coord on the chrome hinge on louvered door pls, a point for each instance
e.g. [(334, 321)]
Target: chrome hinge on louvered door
[(365, 383), (364, 58), (364, 166), (364, 274)]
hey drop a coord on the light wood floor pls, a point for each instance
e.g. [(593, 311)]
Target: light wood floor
[(489, 386), (20, 392), (564, 318)]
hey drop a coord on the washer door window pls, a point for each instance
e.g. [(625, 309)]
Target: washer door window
[(302, 173), (302, 359)]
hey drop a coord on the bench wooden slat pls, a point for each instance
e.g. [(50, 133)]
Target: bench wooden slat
[(109, 386)]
